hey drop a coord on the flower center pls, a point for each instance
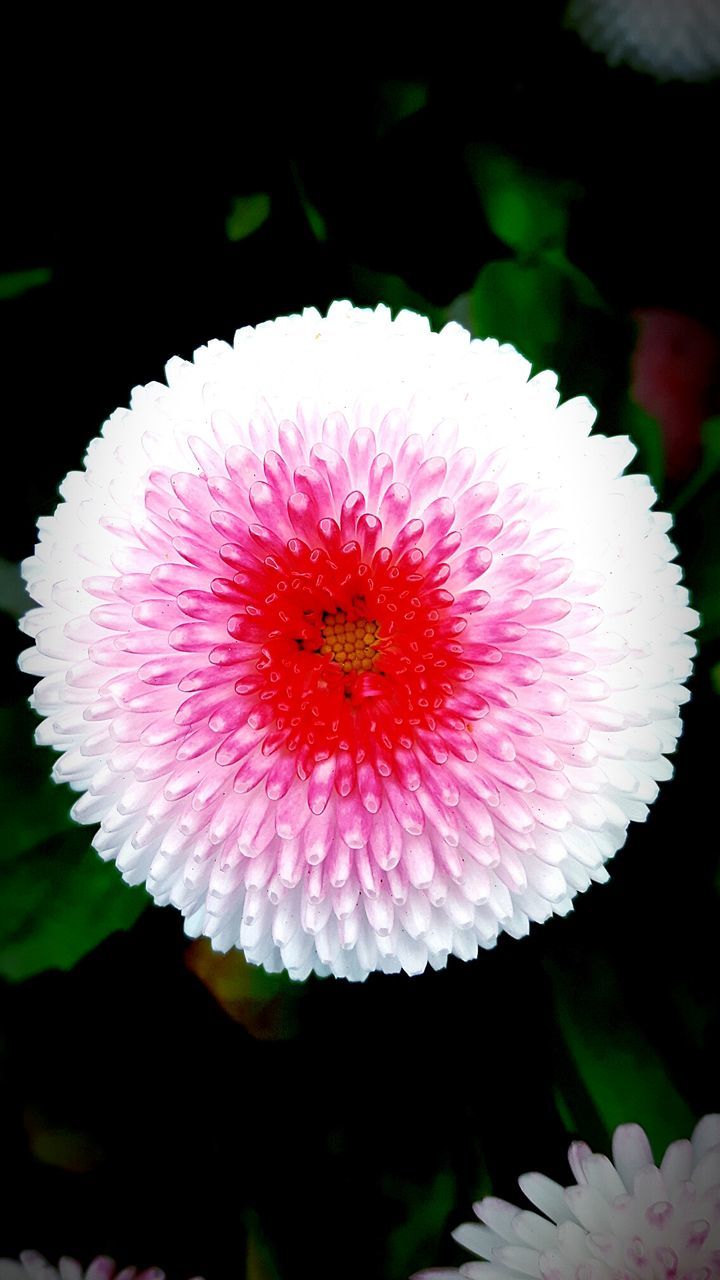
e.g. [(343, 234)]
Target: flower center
[(350, 639), (349, 647)]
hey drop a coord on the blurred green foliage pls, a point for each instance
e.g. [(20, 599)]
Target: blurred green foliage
[(521, 303), (15, 283), (59, 899), (537, 299), (13, 596), (370, 286), (709, 464), (526, 210), (620, 1069), (248, 213), (260, 1262), (645, 433), (425, 1214), (397, 100), (266, 1004), (315, 220)]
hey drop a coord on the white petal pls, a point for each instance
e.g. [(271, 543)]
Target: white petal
[(631, 1152)]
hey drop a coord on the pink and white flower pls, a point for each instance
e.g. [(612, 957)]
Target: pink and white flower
[(668, 39), (33, 1266), (359, 648), (623, 1218)]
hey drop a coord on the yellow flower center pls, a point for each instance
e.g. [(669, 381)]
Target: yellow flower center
[(350, 641)]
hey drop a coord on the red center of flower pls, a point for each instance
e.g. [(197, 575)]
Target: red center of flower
[(356, 653)]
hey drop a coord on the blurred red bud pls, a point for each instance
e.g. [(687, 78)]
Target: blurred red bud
[(675, 369)]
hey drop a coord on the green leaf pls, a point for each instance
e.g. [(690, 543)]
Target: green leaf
[(521, 304), (59, 899), (546, 309), (315, 220), (646, 433), (248, 213), (260, 1261), (586, 292), (32, 806), (59, 1145), (372, 287), (15, 283), (617, 1065), (524, 209), (397, 100), (563, 1110), (266, 1004), (702, 564), (709, 464), (460, 311), (13, 596), (426, 1210), (702, 576)]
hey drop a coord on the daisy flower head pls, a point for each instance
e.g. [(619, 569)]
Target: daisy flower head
[(625, 1217), (359, 649), (668, 39), (33, 1266)]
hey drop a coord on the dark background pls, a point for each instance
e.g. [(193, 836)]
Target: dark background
[(167, 1109)]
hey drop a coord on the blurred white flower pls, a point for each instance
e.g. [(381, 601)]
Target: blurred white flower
[(33, 1266), (625, 1219), (669, 39)]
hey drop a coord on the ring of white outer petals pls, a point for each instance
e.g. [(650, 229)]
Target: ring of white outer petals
[(583, 694)]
